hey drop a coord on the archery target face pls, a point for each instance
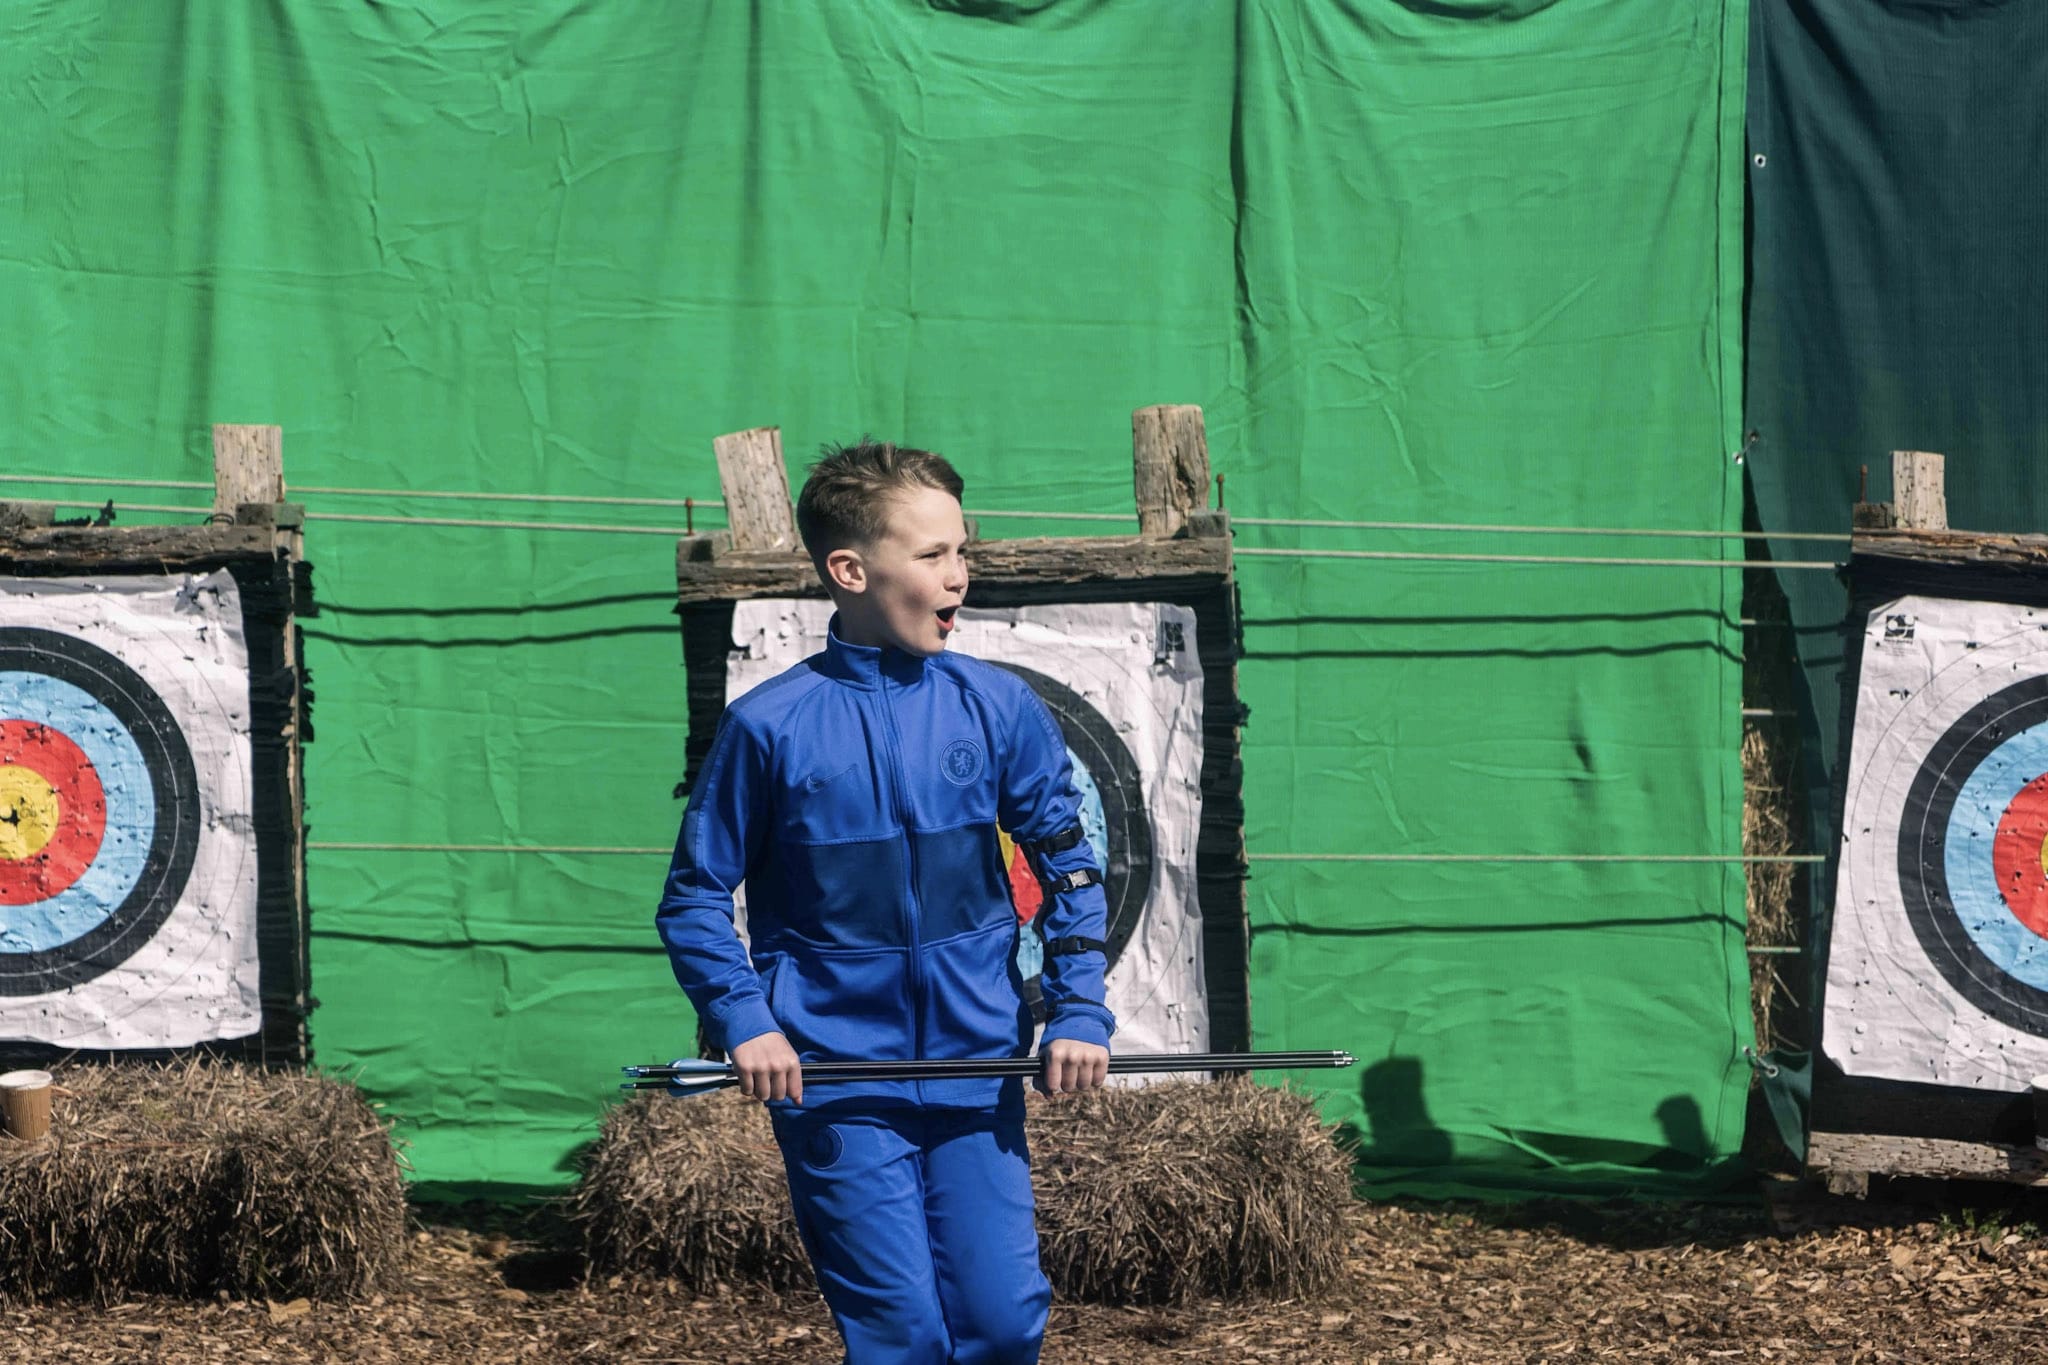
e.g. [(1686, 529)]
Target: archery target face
[(127, 851), (1938, 959), (1124, 684)]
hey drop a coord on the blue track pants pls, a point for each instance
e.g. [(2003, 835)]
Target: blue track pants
[(919, 1225)]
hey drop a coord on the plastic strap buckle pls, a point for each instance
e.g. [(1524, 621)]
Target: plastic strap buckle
[(1073, 881)]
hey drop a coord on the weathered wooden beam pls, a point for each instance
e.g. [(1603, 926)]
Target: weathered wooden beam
[(703, 574), (756, 485), (89, 550), (1844, 1156), (1919, 498), (2028, 552), (248, 466), (1169, 467)]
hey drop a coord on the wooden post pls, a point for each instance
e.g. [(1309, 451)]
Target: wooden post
[(1169, 466), (248, 488), (756, 485), (1919, 500), (248, 466)]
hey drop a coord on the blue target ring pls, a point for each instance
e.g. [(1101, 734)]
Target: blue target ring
[(1968, 780), (152, 821), (131, 822), (1973, 889), (1113, 819)]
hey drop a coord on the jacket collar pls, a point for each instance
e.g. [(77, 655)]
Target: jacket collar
[(867, 665)]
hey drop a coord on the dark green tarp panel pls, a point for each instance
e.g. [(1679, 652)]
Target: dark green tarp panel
[(1899, 183), (1474, 263), (1898, 180)]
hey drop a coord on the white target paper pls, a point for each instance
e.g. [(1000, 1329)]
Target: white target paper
[(145, 684), (1937, 961), (1133, 666)]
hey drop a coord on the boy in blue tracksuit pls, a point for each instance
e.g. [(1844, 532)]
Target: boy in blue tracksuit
[(859, 796)]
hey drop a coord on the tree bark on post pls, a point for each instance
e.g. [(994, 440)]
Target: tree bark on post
[(248, 466), (1919, 498), (1169, 466), (756, 486)]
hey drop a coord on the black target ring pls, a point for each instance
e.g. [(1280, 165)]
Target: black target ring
[(1924, 827), (1128, 878), (174, 796)]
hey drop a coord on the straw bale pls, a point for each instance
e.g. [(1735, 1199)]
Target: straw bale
[(1184, 1190), (691, 1189), (1774, 817), (199, 1178), (1159, 1194)]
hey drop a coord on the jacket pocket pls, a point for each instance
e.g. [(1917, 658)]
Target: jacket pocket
[(974, 1005), (844, 1006)]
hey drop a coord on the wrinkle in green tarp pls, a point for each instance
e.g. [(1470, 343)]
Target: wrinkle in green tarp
[(1415, 263)]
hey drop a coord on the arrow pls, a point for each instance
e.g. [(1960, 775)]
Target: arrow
[(689, 1076)]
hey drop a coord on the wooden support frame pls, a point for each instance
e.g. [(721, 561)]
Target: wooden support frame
[(1846, 1161), (1180, 555), (256, 536), (1904, 542)]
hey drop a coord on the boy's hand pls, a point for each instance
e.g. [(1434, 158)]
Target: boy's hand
[(769, 1068), (1072, 1065)]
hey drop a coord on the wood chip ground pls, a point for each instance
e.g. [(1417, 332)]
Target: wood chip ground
[(1799, 1277)]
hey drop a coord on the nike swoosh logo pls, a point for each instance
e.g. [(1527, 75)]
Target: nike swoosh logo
[(815, 781)]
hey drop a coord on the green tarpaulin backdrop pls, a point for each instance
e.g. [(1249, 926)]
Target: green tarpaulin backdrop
[(1471, 263)]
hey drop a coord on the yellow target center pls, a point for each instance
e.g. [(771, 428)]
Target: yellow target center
[(2044, 857), (28, 812)]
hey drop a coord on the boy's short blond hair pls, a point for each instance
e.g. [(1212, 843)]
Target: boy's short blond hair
[(845, 501)]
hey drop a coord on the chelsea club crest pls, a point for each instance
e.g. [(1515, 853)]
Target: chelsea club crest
[(961, 763)]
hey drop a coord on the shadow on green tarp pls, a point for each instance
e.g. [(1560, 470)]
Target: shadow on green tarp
[(444, 1192), (1401, 1153)]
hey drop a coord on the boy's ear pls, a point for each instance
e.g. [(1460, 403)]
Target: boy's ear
[(845, 571)]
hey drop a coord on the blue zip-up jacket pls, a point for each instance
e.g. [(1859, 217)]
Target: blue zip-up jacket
[(858, 795)]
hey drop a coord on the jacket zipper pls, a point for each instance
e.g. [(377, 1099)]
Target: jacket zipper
[(913, 913)]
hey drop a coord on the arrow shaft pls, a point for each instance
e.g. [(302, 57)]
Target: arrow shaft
[(712, 1077)]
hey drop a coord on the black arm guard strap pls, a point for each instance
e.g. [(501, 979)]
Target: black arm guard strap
[(1054, 947), (1054, 843)]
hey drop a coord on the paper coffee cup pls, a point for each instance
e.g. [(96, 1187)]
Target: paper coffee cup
[(2039, 1087), (25, 1104)]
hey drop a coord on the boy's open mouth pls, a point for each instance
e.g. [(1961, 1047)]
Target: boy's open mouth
[(946, 617)]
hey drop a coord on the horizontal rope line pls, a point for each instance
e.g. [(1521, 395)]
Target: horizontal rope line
[(479, 522), (328, 845), (698, 504), (1130, 517), (1536, 857), (84, 481), (1842, 536), (489, 524), (1253, 551), (500, 525), (1009, 512), (694, 503)]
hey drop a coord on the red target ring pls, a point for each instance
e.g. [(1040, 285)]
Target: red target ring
[(53, 812), (2016, 856)]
